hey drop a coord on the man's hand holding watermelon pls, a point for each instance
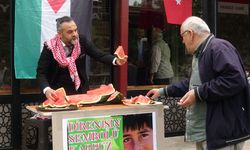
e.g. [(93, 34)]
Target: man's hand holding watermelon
[(121, 57), (51, 94)]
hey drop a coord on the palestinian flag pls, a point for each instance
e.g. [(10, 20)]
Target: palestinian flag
[(35, 22)]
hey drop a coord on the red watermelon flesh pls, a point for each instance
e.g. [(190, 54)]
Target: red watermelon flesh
[(134, 99), (120, 52), (74, 100), (113, 96), (143, 100), (60, 99), (138, 100), (61, 103), (102, 90), (48, 103), (100, 94), (84, 98), (97, 95), (61, 94)]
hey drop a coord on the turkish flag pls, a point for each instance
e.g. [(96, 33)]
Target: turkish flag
[(177, 10)]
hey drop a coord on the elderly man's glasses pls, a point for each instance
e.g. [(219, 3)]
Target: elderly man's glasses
[(184, 33)]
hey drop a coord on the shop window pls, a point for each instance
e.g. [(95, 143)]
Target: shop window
[(235, 20), (146, 18), (5, 57), (100, 73)]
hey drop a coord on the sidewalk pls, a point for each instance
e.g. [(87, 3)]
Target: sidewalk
[(177, 143)]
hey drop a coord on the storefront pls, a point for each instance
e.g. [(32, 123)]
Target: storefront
[(118, 23)]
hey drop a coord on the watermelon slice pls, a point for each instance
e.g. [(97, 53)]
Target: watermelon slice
[(104, 91), (115, 98), (97, 95), (120, 52), (81, 99), (74, 100), (56, 104), (61, 103), (48, 103), (61, 94), (142, 100), (127, 101), (60, 100)]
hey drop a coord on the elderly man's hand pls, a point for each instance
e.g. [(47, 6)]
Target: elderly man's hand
[(153, 94), (121, 61), (188, 99)]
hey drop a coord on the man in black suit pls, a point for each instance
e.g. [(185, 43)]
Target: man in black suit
[(62, 61)]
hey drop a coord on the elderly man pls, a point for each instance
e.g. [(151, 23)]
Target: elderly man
[(215, 96)]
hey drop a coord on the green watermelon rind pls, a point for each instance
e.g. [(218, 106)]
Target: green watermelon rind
[(117, 99), (69, 107), (48, 105), (54, 106), (61, 106), (105, 97), (112, 97)]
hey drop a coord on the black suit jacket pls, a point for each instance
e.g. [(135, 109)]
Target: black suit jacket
[(48, 68)]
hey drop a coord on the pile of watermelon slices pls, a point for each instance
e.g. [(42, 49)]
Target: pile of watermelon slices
[(105, 93), (141, 100)]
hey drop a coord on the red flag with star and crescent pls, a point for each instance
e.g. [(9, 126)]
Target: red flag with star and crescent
[(177, 10)]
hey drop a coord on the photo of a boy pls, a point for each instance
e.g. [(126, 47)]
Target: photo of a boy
[(138, 132)]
